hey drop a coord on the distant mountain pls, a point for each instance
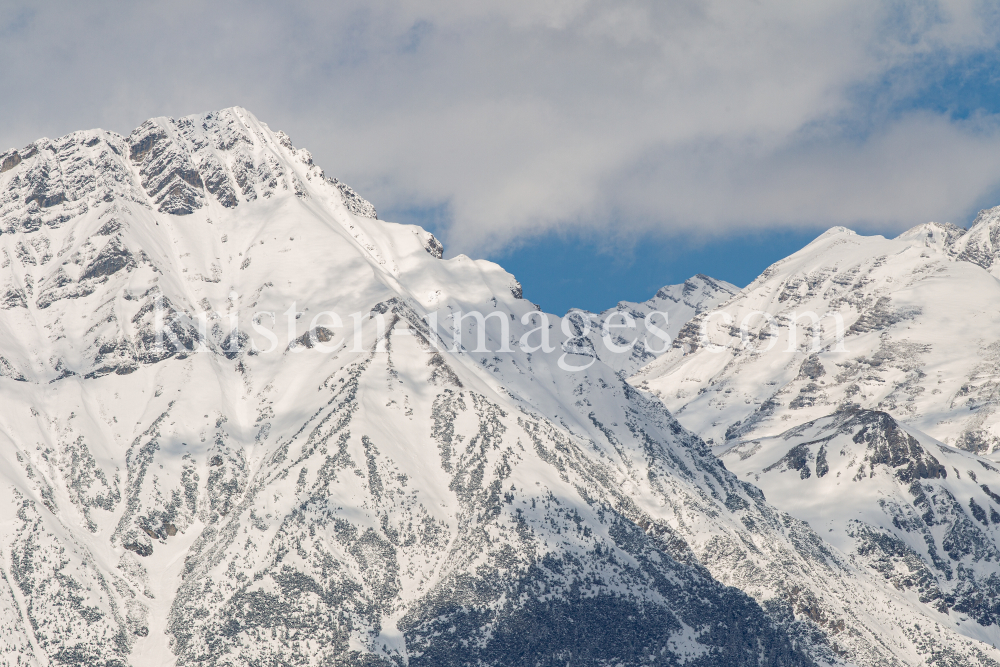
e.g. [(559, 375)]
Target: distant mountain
[(918, 323), (631, 341), (202, 465)]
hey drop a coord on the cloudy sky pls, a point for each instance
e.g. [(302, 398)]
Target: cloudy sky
[(596, 150)]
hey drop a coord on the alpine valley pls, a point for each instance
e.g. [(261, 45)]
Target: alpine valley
[(365, 477)]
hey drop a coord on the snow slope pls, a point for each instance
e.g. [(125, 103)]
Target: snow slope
[(368, 492)]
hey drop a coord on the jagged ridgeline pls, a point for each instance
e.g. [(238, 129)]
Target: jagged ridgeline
[(904, 325), (205, 497)]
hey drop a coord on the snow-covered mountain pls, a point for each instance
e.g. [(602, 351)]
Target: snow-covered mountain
[(905, 325), (855, 382), (267, 484)]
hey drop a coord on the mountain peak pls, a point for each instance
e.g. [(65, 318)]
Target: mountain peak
[(942, 236), (981, 244), (838, 230), (105, 224)]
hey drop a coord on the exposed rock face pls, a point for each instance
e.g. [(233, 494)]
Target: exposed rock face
[(887, 444), (362, 492)]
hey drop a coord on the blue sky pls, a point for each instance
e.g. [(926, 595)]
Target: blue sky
[(563, 273), (597, 150)]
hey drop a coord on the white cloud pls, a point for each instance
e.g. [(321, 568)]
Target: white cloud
[(692, 117)]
